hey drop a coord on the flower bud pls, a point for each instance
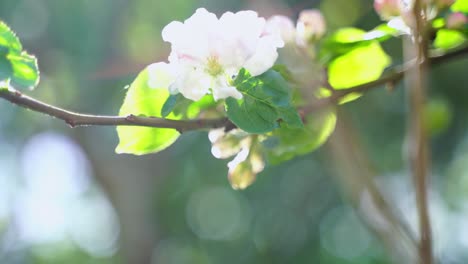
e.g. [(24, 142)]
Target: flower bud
[(456, 20), (387, 9), (310, 26)]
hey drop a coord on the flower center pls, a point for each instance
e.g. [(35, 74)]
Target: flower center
[(213, 67)]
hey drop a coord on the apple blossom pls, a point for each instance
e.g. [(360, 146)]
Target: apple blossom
[(207, 52), (456, 20), (388, 9)]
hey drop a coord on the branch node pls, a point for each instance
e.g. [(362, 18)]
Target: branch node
[(71, 123), (130, 118)]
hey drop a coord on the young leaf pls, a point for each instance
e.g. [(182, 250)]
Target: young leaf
[(15, 64), (185, 108), (448, 39), (347, 39), (25, 70), (170, 104), (145, 101), (8, 39), (287, 143), (460, 6), (361, 65), (266, 100)]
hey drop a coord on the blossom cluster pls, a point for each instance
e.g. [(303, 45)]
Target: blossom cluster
[(208, 52)]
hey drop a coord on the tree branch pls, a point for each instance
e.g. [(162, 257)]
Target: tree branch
[(393, 76), (418, 147), (78, 119)]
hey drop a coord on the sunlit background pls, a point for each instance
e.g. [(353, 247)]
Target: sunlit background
[(66, 197)]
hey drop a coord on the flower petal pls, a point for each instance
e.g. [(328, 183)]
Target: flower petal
[(264, 57), (161, 75), (191, 39), (239, 36), (282, 25), (221, 90), (193, 84)]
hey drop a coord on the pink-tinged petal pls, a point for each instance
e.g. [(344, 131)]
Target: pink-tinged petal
[(161, 75)]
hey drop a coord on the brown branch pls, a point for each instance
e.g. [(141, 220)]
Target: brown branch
[(418, 147), (77, 119), (393, 76)]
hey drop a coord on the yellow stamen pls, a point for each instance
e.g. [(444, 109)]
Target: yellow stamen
[(213, 67)]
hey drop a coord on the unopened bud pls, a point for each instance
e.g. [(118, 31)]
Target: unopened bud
[(310, 26), (456, 20), (388, 9)]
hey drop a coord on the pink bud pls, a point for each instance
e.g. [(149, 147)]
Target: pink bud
[(387, 9), (456, 20), (310, 26)]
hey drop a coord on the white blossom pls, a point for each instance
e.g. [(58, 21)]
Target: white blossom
[(208, 52)]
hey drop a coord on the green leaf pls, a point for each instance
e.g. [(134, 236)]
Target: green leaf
[(360, 65), (345, 40), (25, 70), (438, 23), (15, 64), (6, 70), (170, 104), (186, 108), (145, 101), (9, 39), (266, 102), (287, 143), (460, 6), (448, 39), (251, 115)]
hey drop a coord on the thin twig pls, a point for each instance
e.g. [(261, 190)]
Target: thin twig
[(78, 119), (418, 147), (393, 76)]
